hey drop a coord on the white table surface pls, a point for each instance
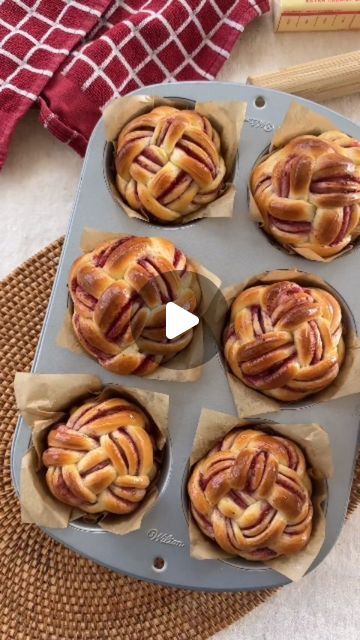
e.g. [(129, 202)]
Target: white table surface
[(37, 188)]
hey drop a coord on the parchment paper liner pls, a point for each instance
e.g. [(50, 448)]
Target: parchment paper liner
[(43, 400), (299, 120), (185, 365), (226, 117), (314, 442), (249, 402)]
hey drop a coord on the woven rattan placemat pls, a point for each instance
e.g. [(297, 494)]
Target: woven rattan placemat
[(47, 592)]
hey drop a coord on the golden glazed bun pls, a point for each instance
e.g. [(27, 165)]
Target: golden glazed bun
[(102, 458), (308, 193), (169, 164), (285, 340), (252, 495), (119, 292)]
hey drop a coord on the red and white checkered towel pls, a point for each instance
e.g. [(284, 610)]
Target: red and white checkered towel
[(73, 56)]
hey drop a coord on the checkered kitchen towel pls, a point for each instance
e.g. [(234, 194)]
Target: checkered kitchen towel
[(73, 56)]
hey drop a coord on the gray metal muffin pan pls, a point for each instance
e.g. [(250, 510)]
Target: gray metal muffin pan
[(234, 249)]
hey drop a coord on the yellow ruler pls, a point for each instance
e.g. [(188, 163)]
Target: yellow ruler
[(316, 15)]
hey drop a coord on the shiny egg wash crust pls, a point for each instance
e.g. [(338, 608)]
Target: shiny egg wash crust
[(285, 340), (308, 193), (102, 458), (120, 291), (168, 163), (252, 495)]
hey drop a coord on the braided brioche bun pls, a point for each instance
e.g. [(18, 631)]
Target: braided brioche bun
[(169, 164), (285, 340), (308, 194), (251, 495), (101, 459), (120, 291)]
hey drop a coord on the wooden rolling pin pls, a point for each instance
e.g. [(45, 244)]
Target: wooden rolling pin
[(317, 80)]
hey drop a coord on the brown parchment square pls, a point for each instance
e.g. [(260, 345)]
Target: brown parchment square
[(226, 117), (43, 400), (313, 440)]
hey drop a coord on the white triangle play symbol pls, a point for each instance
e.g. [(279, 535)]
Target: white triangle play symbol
[(178, 320)]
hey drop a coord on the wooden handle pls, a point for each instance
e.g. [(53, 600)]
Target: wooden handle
[(318, 80)]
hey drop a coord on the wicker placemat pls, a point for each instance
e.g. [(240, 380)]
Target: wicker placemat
[(47, 592)]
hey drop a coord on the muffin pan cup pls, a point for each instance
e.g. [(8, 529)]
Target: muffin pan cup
[(313, 441), (234, 249), (225, 117), (250, 401), (46, 401)]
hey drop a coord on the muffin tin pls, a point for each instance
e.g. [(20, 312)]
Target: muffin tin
[(234, 249)]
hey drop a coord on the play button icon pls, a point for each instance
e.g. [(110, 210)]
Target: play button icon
[(178, 320)]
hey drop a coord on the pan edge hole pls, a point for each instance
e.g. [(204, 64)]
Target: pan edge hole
[(159, 564), (260, 102)]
